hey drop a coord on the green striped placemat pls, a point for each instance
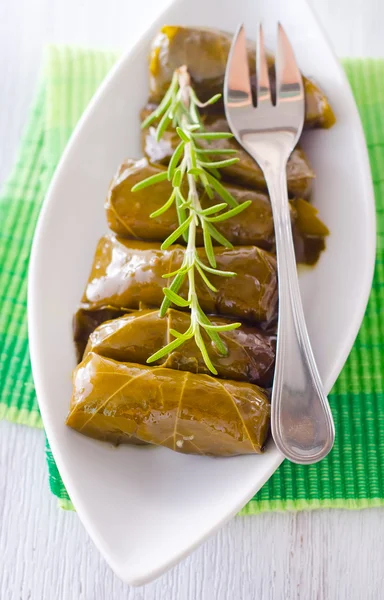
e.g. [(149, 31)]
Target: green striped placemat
[(352, 475)]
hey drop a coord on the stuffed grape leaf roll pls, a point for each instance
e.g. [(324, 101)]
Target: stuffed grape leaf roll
[(205, 52), (186, 412), (128, 214), (135, 337), (127, 273)]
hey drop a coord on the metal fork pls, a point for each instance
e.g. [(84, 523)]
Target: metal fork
[(302, 425)]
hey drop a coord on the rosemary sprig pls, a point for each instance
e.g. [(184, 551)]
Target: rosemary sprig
[(190, 166)]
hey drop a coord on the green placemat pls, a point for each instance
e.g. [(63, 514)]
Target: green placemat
[(352, 475)]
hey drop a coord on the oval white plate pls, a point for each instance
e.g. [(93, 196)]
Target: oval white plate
[(146, 508)]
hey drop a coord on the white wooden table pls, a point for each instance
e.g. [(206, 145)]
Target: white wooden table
[(45, 553)]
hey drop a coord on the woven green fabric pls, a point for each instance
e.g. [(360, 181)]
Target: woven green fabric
[(352, 476)]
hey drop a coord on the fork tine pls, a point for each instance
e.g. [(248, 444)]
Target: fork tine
[(289, 82), (237, 84), (263, 89)]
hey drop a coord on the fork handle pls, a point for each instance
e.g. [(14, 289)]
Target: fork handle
[(302, 424)]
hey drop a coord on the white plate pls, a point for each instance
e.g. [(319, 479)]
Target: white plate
[(146, 508)]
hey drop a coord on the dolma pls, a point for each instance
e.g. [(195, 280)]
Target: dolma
[(126, 273), (128, 214), (205, 52), (186, 412), (246, 172), (135, 337)]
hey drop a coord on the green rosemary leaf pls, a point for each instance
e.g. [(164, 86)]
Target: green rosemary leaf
[(162, 126), (221, 190), (175, 298), (208, 244), (180, 196), (204, 182), (193, 96), (177, 178), (172, 111), (183, 109), (169, 96), (215, 271), (216, 151), (149, 120), (215, 337), (219, 164), (181, 211), (182, 270), (198, 102), (212, 100), (177, 233), (164, 306), (230, 213), (221, 347), (174, 287), (181, 133), (205, 279), (163, 106), (228, 327), (177, 282), (192, 153), (195, 171), (219, 237), (173, 163), (208, 190), (214, 172), (176, 334), (149, 181), (200, 344), (167, 349), (211, 135), (213, 209), (165, 206)]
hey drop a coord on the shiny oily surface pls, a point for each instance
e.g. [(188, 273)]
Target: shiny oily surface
[(205, 51), (136, 336), (189, 413), (126, 273), (128, 214), (246, 172)]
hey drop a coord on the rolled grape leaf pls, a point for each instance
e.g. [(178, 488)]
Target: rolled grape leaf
[(205, 52), (128, 213), (126, 273), (189, 413), (246, 172), (86, 319), (138, 335)]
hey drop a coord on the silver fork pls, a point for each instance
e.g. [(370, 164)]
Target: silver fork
[(302, 425)]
